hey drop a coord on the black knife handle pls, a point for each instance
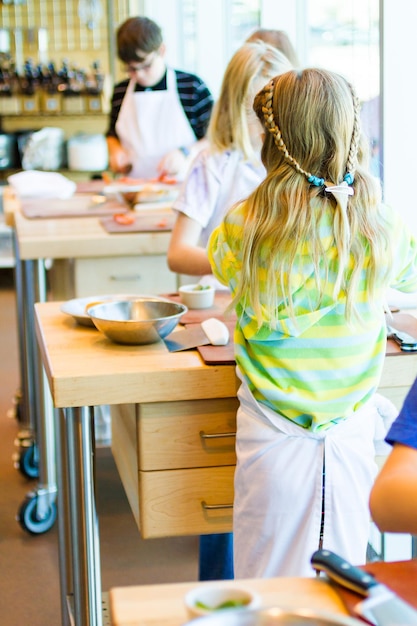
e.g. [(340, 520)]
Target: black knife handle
[(343, 572)]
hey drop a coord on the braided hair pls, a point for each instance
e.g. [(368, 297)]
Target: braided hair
[(312, 143), (271, 126)]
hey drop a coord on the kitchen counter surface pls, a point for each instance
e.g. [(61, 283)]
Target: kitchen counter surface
[(163, 605)]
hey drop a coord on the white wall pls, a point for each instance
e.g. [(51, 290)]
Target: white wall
[(399, 105)]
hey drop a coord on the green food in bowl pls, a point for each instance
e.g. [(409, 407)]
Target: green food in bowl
[(228, 604), (201, 287)]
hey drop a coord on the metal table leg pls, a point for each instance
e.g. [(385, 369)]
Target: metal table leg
[(37, 513), (83, 532)]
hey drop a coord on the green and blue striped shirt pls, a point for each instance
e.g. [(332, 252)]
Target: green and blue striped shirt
[(318, 368)]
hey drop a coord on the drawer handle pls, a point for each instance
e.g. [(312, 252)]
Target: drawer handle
[(204, 435), (115, 277), (215, 507)]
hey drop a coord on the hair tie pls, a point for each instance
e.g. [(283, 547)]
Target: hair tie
[(348, 178), (316, 181)]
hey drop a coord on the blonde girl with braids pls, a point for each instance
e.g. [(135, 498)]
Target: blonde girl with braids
[(308, 258), (227, 171)]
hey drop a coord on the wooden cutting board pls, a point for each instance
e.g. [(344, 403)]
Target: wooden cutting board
[(400, 576), (80, 205), (153, 221), (91, 186), (218, 355)]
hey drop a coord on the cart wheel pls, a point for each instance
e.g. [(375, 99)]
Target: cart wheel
[(29, 520), (28, 462)]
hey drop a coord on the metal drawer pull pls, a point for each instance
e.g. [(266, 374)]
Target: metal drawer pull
[(125, 277), (204, 435), (215, 507)]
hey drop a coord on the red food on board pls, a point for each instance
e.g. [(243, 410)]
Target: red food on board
[(125, 219)]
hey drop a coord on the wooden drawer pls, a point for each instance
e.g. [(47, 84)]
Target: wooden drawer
[(141, 274), (167, 501), (194, 433), (178, 502)]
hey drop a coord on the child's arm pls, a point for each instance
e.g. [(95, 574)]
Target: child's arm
[(185, 256), (393, 500)]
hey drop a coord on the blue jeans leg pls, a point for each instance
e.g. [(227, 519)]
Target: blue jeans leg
[(216, 557)]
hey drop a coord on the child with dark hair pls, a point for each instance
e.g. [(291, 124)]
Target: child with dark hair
[(159, 115)]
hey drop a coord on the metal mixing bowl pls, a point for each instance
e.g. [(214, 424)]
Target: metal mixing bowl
[(140, 321)]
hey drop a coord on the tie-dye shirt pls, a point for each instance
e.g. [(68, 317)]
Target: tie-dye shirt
[(318, 368)]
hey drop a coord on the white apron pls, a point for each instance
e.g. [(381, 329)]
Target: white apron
[(278, 489), (151, 124)]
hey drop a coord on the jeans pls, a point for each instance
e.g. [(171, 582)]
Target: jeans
[(216, 557)]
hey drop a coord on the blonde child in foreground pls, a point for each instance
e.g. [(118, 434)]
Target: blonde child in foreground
[(226, 171), (393, 501), (308, 258)]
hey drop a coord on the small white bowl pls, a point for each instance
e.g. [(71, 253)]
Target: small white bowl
[(205, 599), (197, 296)]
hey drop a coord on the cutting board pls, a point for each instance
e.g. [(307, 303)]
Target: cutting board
[(153, 221), (91, 186), (400, 576), (217, 355), (80, 205)]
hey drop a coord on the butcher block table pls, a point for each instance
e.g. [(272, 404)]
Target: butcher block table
[(173, 426), (92, 255), (163, 605)]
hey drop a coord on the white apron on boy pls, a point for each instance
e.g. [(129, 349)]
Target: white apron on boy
[(151, 124)]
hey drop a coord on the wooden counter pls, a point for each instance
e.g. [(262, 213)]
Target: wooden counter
[(101, 262), (163, 605), (174, 419), (170, 471)]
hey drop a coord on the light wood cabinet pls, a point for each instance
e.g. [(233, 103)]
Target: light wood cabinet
[(180, 457), (139, 274)]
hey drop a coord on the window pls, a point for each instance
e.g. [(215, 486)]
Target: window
[(344, 37)]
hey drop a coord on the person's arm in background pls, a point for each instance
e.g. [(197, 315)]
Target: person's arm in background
[(185, 256), (176, 160), (119, 161), (393, 500), (197, 102)]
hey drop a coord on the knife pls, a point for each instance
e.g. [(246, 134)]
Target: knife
[(211, 331), (407, 342), (381, 606)]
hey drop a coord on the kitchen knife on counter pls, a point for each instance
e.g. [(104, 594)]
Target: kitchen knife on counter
[(407, 342), (211, 331), (381, 606)]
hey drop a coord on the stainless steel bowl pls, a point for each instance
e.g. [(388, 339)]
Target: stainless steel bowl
[(274, 617), (140, 321)]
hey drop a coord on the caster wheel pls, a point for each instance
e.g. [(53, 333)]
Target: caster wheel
[(28, 462), (28, 517)]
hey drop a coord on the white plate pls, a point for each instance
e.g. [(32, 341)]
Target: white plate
[(76, 307), (151, 192)]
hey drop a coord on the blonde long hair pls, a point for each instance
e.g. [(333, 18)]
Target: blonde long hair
[(312, 135), (228, 128)]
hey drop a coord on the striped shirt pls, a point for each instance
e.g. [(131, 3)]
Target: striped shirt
[(194, 95), (318, 369)]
